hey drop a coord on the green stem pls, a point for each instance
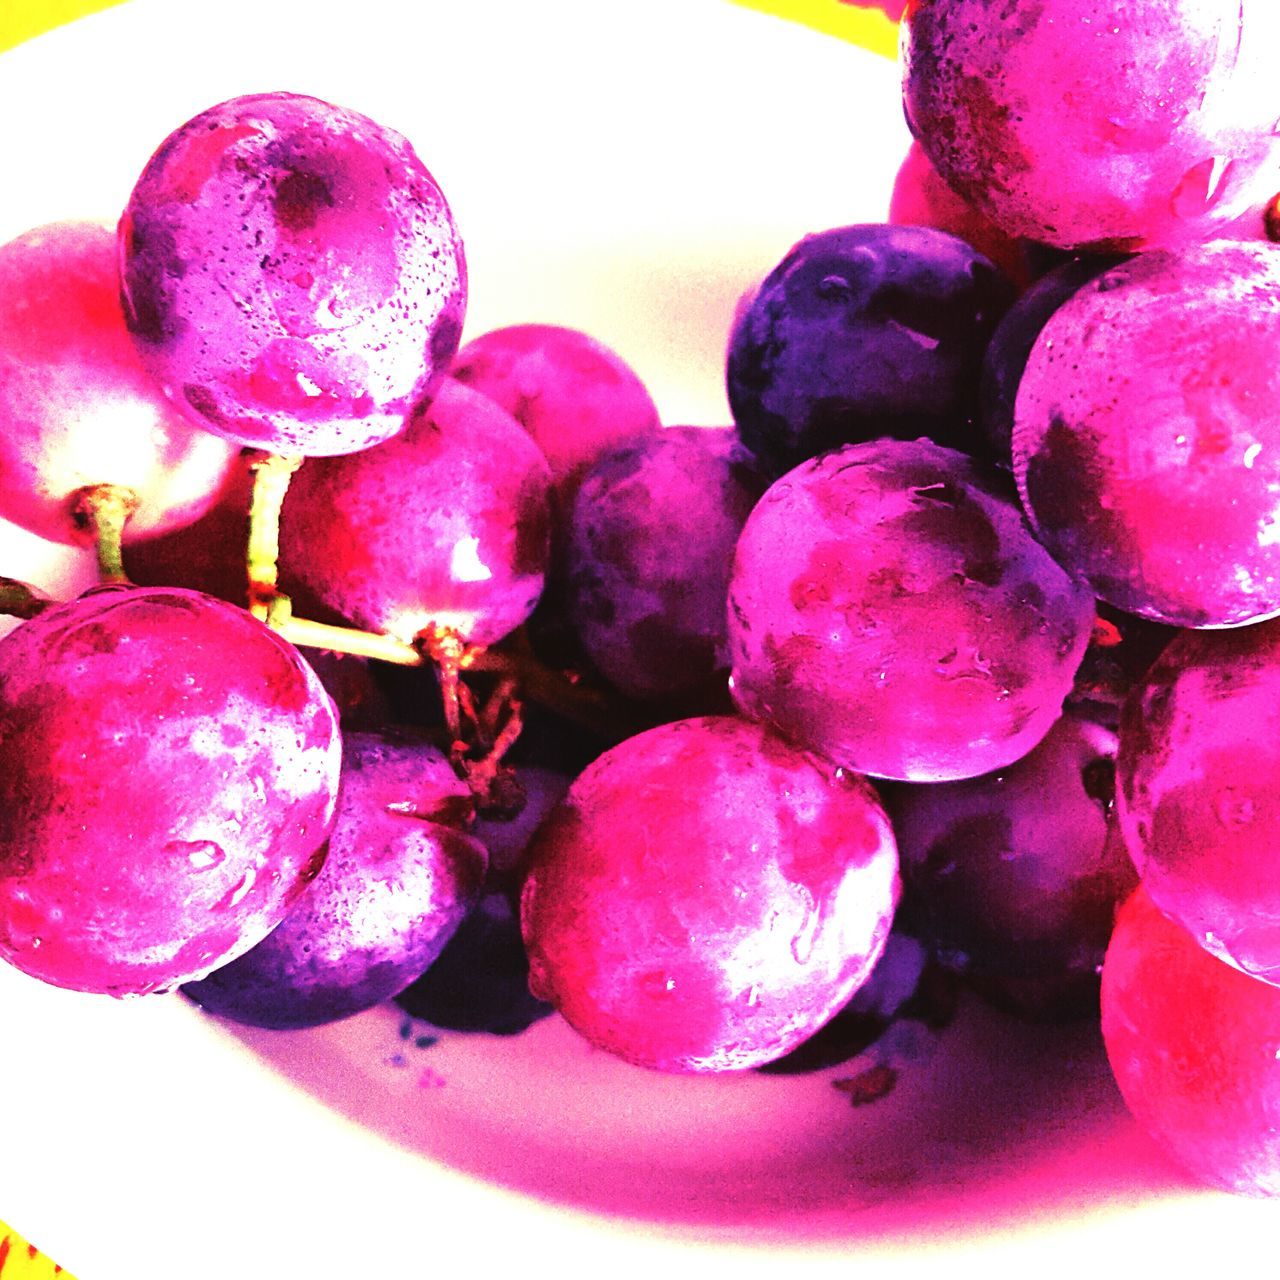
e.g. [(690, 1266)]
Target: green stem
[(271, 476), (18, 600), (104, 509)]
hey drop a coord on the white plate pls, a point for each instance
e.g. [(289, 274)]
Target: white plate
[(629, 170)]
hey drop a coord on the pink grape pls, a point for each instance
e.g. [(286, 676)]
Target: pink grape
[(650, 542), (1192, 1043), (706, 896), (396, 884), (168, 775), (77, 406), (890, 610), (1086, 123), (292, 274), (446, 524), (572, 394), (1196, 799), (1146, 441)]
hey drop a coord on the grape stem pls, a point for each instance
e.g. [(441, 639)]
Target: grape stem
[(104, 510), (18, 600), (271, 476)]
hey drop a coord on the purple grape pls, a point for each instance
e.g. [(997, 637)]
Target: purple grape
[(1011, 343), (572, 394), (706, 896), (1086, 123), (890, 610), (507, 837), (1196, 795), (445, 525), (77, 407), (1011, 875), (861, 332), (651, 540), (292, 274), (394, 888), (168, 775), (1147, 442), (481, 980)]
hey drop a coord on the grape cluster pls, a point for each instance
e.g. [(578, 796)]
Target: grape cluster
[(665, 727)]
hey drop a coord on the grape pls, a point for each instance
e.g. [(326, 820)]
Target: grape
[(572, 394), (920, 198), (1011, 875), (1147, 440), (651, 539), (77, 407), (292, 274), (1087, 123), (1192, 1043), (1196, 799), (444, 525), (890, 610), (707, 896), (168, 775), (506, 837), (1006, 355), (481, 980), (395, 886), (861, 332)]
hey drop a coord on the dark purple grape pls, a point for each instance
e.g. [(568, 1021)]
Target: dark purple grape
[(1011, 343), (650, 544), (395, 886), (481, 980), (291, 274), (446, 525), (1087, 122), (890, 610), (507, 836), (862, 332), (168, 775), (1011, 876)]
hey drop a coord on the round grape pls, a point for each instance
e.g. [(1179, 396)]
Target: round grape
[(861, 332), (1192, 1043), (1146, 440), (168, 776), (445, 525), (292, 275), (77, 406), (890, 610), (1086, 123), (707, 896)]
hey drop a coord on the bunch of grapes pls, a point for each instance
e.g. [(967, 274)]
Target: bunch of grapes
[(969, 621)]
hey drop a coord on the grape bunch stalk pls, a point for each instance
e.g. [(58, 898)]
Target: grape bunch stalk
[(959, 644)]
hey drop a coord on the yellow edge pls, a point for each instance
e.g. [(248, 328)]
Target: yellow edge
[(863, 25), (20, 1260), (22, 19)]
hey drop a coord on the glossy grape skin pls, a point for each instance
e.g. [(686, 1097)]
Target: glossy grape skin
[(507, 837), (1196, 795), (1147, 435), (890, 610), (707, 896), (168, 775), (1012, 875), (572, 394), (447, 524), (395, 886), (77, 406), (1081, 123), (292, 274), (860, 332), (1006, 355), (920, 198), (1194, 1048), (650, 543)]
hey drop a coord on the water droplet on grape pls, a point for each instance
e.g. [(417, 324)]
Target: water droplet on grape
[(1232, 810), (203, 855)]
